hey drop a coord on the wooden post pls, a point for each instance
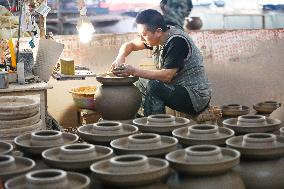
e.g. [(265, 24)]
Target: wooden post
[(42, 22)]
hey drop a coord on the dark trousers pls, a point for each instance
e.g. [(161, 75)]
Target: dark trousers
[(156, 95)]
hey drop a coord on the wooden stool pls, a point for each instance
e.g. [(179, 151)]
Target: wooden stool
[(86, 116)]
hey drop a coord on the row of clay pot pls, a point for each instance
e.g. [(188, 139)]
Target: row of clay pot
[(250, 146), (18, 115), (233, 110)]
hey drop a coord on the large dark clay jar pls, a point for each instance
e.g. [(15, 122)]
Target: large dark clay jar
[(117, 98), (262, 164), (193, 23)]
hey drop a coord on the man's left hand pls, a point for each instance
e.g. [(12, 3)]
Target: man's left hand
[(126, 71)]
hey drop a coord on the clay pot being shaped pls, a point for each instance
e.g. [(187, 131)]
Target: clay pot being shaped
[(160, 123), (149, 144), (49, 178), (12, 166), (204, 166), (252, 124), (117, 98), (193, 23), (266, 107), (262, 164), (203, 134), (105, 131), (36, 142), (75, 157), (130, 170)]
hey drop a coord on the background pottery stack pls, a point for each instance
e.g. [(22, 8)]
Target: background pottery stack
[(117, 98), (204, 166), (18, 115), (262, 164)]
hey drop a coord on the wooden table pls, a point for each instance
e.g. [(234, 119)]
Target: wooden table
[(40, 89)]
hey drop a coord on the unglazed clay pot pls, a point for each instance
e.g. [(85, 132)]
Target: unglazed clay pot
[(117, 98), (193, 23), (130, 170), (160, 123), (5, 148), (266, 107), (75, 157), (203, 134), (49, 178), (234, 110), (252, 124), (262, 164), (204, 166), (12, 166), (149, 144)]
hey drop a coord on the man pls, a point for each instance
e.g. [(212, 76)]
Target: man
[(175, 11), (180, 82)]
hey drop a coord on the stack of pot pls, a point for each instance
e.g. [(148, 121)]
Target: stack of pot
[(18, 115)]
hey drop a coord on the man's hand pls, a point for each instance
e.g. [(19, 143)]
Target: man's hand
[(118, 61), (125, 71)]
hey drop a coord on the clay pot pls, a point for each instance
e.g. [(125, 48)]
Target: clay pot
[(5, 148), (266, 107), (49, 178), (234, 110), (117, 98), (36, 142), (252, 124), (149, 144), (202, 134), (262, 164), (12, 166), (130, 170), (160, 123), (75, 157), (105, 131), (282, 131), (193, 23), (204, 166)]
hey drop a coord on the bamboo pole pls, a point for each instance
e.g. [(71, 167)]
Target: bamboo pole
[(42, 22)]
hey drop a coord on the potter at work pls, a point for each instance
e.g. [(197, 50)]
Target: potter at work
[(180, 81)]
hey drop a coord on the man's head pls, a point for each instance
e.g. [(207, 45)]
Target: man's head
[(151, 26)]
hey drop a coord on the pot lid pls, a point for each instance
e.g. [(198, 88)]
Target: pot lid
[(11, 166), (234, 110), (105, 131), (110, 79), (75, 180), (149, 144), (252, 124), (5, 147), (160, 123), (282, 131), (258, 145), (23, 143), (202, 134), (53, 157), (8, 103), (130, 170), (203, 159), (266, 106)]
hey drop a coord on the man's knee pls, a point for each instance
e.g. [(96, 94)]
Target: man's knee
[(154, 85)]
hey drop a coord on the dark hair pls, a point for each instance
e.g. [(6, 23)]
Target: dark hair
[(152, 19)]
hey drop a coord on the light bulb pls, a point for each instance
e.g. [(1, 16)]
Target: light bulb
[(85, 29)]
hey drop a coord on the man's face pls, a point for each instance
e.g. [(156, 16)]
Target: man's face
[(151, 39)]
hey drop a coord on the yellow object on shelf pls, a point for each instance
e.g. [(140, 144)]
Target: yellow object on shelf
[(12, 51), (67, 66)]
